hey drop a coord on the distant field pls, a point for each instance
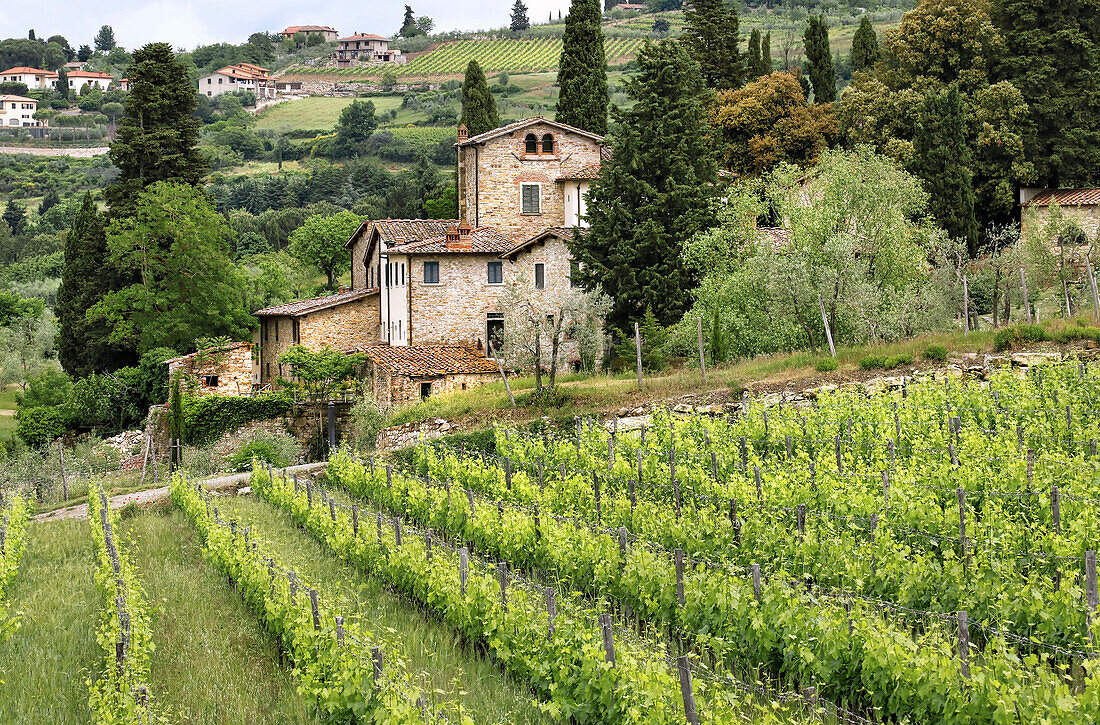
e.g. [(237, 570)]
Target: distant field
[(314, 112)]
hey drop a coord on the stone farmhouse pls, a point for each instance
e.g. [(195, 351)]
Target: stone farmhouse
[(366, 48), (238, 77), (33, 78), (18, 111), (226, 371), (329, 34), (1080, 205), (424, 299)]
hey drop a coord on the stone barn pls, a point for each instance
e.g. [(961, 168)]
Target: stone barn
[(403, 375), (219, 371)]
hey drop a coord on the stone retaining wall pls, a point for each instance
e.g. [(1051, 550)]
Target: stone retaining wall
[(409, 434)]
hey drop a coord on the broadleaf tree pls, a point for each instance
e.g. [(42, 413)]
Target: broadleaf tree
[(320, 242)]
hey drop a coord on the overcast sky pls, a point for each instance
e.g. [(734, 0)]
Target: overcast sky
[(187, 23)]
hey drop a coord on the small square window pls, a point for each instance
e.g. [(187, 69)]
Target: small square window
[(431, 273), (540, 276), (530, 198), (425, 390), (496, 273), (210, 381)]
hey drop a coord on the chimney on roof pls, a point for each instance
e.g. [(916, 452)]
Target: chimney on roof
[(464, 228), (463, 132), (456, 239)]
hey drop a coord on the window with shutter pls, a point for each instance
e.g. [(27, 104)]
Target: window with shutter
[(431, 273), (540, 276), (530, 198)]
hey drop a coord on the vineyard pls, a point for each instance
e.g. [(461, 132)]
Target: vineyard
[(514, 55), (924, 555)]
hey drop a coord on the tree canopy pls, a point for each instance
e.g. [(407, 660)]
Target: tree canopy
[(864, 46), (320, 242), (105, 39), (582, 71), (711, 32), (354, 128), (519, 21)]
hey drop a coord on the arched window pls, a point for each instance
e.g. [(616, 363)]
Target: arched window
[(531, 144), (548, 144)]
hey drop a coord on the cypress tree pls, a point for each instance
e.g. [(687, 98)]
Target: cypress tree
[(765, 68), (408, 24), (752, 62), (84, 281), (519, 17), (158, 137), (582, 71), (653, 192), (820, 59), (479, 109), (711, 32), (1052, 53), (15, 217), (941, 158), (864, 46)]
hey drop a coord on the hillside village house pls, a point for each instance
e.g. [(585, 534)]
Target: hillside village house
[(1079, 205), (94, 79), (329, 34), (33, 78), (366, 48), (238, 77), (18, 111), (424, 299), (228, 371)]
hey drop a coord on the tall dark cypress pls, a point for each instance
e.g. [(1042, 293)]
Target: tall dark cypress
[(711, 32), (582, 72), (819, 57), (82, 346), (158, 137), (1052, 53), (941, 158), (479, 109), (765, 55), (864, 46), (752, 62), (654, 191)]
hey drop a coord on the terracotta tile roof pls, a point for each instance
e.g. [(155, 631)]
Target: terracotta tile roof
[(483, 240), (1066, 197), (18, 99), (565, 233), (430, 360), (236, 71), (403, 231), (232, 346), (488, 135), (89, 74), (365, 36), (302, 307), (291, 30), (588, 171), (24, 70)]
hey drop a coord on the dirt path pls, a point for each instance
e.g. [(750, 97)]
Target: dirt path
[(152, 495), (77, 152)]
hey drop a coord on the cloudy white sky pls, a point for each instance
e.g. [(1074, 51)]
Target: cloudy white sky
[(187, 23)]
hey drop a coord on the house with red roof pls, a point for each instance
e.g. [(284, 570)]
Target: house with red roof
[(18, 111), (326, 32), (33, 78), (1081, 206), (238, 77), (93, 79), (366, 48)]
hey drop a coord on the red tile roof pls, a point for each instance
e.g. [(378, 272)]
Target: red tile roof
[(303, 307), (430, 360), (483, 240), (365, 36), (403, 231), (89, 74), (232, 346), (17, 99), (518, 125), (564, 233), (1066, 197), (580, 173), (25, 70), (291, 30)]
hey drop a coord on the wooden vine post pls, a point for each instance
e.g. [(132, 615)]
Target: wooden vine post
[(1023, 287), (683, 667), (638, 350), (702, 358), (825, 321)]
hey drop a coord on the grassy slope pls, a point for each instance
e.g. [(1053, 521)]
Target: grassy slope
[(7, 410), (431, 647), (315, 112), (45, 665), (213, 663)]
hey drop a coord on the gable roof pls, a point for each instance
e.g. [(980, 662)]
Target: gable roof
[(483, 240), (17, 99), (232, 346), (89, 74), (430, 360), (563, 233), (365, 36), (25, 70), (1066, 197), (402, 231), (519, 125), (581, 173), (304, 307), (292, 29)]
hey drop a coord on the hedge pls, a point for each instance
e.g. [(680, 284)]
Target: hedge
[(39, 426), (208, 418)]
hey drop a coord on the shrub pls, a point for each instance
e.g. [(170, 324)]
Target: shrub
[(826, 365), (547, 398), (279, 451), (39, 426), (366, 421), (898, 360), (935, 353), (209, 418), (1012, 337), (872, 362)]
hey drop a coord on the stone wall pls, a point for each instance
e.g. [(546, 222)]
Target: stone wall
[(1034, 217), (233, 368), (314, 87), (393, 391), (490, 176), (409, 434), (352, 324)]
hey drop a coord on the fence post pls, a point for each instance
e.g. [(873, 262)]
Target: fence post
[(355, 521), (397, 531), (508, 473), (1091, 594), (678, 562), (964, 645), (683, 666), (378, 520), (608, 642), (756, 581), (759, 485), (463, 568), (331, 427), (825, 321), (638, 349), (376, 655), (470, 498), (622, 547), (316, 613)]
